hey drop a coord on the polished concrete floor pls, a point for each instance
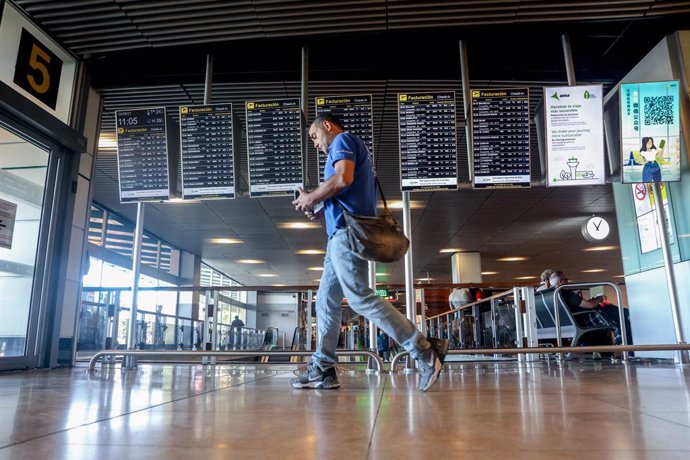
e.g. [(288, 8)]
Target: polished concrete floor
[(503, 410)]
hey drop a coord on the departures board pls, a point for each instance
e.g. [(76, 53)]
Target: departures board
[(355, 113), (206, 146), (142, 155), (274, 147), (500, 129), (428, 144)]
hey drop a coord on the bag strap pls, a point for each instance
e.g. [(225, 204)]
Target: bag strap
[(378, 185)]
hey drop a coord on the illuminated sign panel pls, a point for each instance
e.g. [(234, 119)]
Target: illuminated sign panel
[(574, 135), (207, 151), (428, 144), (650, 131)]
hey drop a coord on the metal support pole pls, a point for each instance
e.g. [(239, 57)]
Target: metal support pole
[(422, 309), (216, 315), (518, 321), (449, 329), (372, 327), (530, 321), (568, 55), (130, 362), (304, 103), (681, 355), (467, 106), (207, 321), (208, 82), (307, 326), (410, 303)]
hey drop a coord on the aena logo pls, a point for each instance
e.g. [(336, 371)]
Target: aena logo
[(557, 96)]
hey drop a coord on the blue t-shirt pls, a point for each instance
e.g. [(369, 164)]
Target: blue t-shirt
[(360, 196)]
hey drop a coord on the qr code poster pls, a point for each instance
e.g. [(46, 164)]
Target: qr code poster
[(650, 131)]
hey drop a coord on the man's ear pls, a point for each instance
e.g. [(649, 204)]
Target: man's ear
[(327, 125)]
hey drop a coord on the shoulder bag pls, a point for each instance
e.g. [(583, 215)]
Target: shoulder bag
[(375, 238)]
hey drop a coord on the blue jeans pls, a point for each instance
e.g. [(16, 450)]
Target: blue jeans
[(651, 172), (346, 274)]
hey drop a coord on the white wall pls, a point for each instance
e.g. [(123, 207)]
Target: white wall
[(277, 310)]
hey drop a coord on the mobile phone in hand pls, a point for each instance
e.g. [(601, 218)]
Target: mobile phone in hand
[(662, 143), (317, 207)]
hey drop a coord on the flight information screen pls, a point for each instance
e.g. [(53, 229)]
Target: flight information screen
[(428, 145), (500, 128), (206, 146), (274, 147), (355, 113), (142, 155)]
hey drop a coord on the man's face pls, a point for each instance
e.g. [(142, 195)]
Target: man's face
[(319, 135)]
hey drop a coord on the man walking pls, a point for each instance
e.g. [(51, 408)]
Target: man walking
[(349, 182)]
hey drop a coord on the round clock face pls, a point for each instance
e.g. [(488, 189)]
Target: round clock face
[(596, 229)]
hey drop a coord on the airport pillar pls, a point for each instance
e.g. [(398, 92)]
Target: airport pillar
[(466, 267)]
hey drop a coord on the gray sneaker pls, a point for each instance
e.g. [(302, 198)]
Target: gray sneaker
[(316, 378), (430, 363)]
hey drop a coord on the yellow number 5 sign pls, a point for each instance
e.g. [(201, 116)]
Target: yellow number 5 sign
[(37, 70)]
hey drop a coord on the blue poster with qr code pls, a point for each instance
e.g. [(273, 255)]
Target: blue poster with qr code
[(650, 131)]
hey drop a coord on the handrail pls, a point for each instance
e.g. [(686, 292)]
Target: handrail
[(541, 350), (468, 305), (621, 314), (245, 353)]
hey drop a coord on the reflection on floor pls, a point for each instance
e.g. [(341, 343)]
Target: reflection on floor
[(499, 410)]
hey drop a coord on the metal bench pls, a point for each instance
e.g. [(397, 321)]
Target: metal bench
[(574, 325)]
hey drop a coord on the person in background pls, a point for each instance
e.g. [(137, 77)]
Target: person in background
[(544, 280), (609, 311), (383, 345), (236, 327)]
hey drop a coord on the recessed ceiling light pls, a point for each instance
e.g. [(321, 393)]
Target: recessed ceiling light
[(525, 277), (594, 270), (318, 280), (315, 269), (382, 274), (278, 284), (601, 248), (225, 241), (107, 141), (299, 225), (310, 251), (619, 276), (267, 275), (450, 250), (425, 279), (398, 204), (512, 259), (489, 273), (250, 261)]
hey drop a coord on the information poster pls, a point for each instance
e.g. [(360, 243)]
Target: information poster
[(274, 146), (206, 146), (428, 144), (500, 121), (142, 155), (8, 214), (648, 226), (650, 131), (574, 135), (355, 113)]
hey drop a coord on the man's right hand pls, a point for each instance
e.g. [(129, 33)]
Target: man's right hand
[(312, 215)]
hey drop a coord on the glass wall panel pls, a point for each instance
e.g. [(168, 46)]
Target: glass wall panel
[(23, 168)]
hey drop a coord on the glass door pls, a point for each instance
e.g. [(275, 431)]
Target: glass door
[(25, 197)]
